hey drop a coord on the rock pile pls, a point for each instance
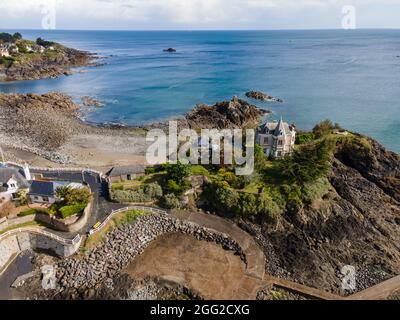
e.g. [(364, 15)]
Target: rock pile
[(124, 244)]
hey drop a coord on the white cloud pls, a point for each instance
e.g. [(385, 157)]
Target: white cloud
[(184, 13)]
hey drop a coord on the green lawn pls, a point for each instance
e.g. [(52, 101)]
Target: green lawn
[(119, 219)]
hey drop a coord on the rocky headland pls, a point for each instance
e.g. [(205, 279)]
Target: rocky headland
[(232, 114), (29, 60), (355, 222)]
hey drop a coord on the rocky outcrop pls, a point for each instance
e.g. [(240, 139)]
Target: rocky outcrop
[(45, 65), (225, 115), (91, 102), (39, 123), (258, 95), (357, 223), (170, 50)]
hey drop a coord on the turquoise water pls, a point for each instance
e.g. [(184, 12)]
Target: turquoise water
[(351, 77)]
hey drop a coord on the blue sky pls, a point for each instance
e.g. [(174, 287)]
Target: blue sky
[(197, 14)]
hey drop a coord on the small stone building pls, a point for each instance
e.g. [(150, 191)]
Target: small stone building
[(276, 138), (126, 173)]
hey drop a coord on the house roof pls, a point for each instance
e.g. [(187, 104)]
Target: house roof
[(119, 171), (6, 173), (42, 188), (277, 128)]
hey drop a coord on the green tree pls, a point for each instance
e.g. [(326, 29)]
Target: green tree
[(171, 201), (17, 36), (325, 127), (178, 172), (308, 163), (77, 196), (248, 205), (260, 159), (62, 192)]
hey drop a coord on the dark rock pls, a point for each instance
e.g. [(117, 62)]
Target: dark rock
[(170, 50), (257, 95), (232, 114)]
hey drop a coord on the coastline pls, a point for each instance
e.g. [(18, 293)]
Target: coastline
[(49, 130)]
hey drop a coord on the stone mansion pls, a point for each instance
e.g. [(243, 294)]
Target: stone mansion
[(277, 138)]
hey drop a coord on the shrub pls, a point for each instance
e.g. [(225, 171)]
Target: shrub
[(44, 43), (268, 207), (248, 205), (306, 137), (77, 196), (199, 171), (145, 193), (177, 172), (174, 187), (325, 127), (26, 213), (150, 170), (308, 163), (171, 201), (315, 190), (130, 216), (32, 211), (69, 211)]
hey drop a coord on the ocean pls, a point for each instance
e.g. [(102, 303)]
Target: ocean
[(351, 77)]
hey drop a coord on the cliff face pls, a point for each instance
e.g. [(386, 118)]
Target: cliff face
[(356, 223), (45, 65)]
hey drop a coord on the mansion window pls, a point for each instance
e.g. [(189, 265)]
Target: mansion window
[(280, 143)]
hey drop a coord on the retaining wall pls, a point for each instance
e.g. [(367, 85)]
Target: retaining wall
[(22, 240)]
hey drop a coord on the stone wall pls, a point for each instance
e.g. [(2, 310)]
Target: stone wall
[(125, 243), (19, 242), (65, 226), (56, 224), (8, 247)]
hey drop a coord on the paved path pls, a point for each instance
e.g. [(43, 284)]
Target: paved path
[(381, 291)]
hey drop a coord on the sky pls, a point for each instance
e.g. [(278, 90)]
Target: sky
[(196, 14)]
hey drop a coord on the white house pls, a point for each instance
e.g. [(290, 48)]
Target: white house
[(12, 180), (4, 51), (276, 138), (45, 191)]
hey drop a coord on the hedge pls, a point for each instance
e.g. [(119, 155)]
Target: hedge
[(69, 211)]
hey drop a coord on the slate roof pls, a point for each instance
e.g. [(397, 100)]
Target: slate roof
[(7, 173), (276, 128), (120, 171), (42, 188)]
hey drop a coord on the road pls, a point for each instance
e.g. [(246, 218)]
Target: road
[(101, 207)]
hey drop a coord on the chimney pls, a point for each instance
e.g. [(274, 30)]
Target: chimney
[(27, 172)]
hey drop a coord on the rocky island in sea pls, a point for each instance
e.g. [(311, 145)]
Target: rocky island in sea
[(22, 59)]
